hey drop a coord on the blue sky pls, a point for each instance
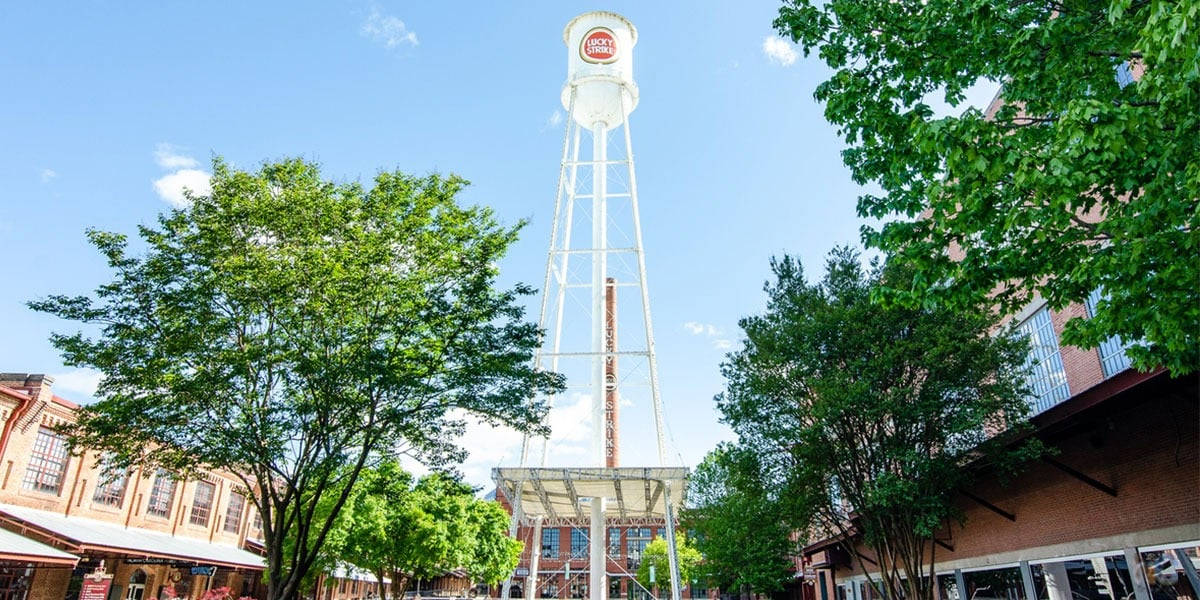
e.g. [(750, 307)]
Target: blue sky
[(107, 107)]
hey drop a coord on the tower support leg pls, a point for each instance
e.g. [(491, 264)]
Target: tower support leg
[(513, 528), (598, 563), (672, 550), (532, 583)]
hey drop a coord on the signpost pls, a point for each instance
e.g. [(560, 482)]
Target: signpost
[(95, 584)]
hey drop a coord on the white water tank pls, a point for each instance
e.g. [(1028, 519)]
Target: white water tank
[(600, 68)]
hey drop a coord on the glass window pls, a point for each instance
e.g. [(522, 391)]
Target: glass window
[(698, 590), (614, 542), (660, 532), (1124, 74), (614, 583), (233, 513), (110, 485), (1045, 376), (579, 543), (258, 525), (161, 495), (47, 462), (947, 587), (1173, 573), (995, 584), (1099, 578), (636, 539), (579, 589), (14, 580), (550, 543), (202, 500), (550, 582), (1112, 350)]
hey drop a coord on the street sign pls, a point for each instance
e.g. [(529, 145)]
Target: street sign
[(208, 571), (521, 572)]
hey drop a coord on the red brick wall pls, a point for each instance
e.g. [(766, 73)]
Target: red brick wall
[(1147, 451), (1082, 365)]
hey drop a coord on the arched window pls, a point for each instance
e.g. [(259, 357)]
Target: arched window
[(137, 585)]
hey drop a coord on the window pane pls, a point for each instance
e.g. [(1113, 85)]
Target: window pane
[(1100, 578), (1045, 376), (1171, 573), (161, 495), (994, 584), (550, 543), (110, 487), (614, 542), (47, 462), (636, 539), (947, 587), (579, 543), (1112, 350), (202, 503), (233, 514)]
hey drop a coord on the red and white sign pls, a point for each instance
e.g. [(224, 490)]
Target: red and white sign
[(599, 45), (95, 589)]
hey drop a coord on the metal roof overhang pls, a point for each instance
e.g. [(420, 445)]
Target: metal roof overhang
[(14, 546), (564, 493), (81, 535)]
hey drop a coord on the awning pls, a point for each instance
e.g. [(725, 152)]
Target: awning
[(22, 549), (558, 493), (89, 535)]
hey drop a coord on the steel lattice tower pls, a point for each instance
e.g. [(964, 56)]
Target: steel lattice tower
[(596, 246)]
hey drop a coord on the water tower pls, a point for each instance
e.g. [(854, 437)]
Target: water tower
[(595, 250)]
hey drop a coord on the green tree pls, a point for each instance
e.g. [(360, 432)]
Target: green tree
[(406, 531), (729, 502), (293, 330), (655, 555), (867, 414), (1081, 181)]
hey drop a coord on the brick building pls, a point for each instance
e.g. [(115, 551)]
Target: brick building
[(62, 515), (1112, 513), (563, 559)]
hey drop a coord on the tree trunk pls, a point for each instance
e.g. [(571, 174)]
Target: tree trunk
[(400, 583)]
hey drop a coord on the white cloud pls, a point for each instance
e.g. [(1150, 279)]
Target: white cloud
[(488, 446), (80, 382), (711, 332), (779, 50), (169, 157), (184, 175), (48, 174), (554, 120), (387, 30), (170, 187)]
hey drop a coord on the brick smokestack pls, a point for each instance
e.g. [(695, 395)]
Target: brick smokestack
[(611, 402)]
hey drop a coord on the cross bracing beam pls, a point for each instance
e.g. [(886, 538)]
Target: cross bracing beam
[(573, 496), (595, 250), (658, 490), (620, 498), (540, 490)]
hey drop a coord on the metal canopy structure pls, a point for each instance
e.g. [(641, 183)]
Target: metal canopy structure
[(564, 494)]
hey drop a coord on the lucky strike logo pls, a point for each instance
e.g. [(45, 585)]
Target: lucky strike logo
[(599, 46)]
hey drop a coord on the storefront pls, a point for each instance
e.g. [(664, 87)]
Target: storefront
[(141, 564)]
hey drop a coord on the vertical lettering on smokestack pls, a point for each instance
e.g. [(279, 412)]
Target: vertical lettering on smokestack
[(611, 401)]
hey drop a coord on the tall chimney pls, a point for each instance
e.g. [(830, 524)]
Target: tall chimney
[(611, 401)]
